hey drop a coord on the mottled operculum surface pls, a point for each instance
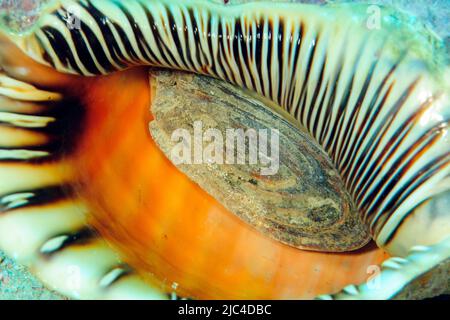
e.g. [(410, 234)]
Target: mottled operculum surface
[(255, 162)]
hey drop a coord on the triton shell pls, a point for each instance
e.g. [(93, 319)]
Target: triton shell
[(92, 204)]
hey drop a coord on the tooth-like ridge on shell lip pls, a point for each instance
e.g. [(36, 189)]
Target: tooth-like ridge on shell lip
[(25, 121), (53, 244), (16, 200), (23, 91), (28, 18), (113, 275)]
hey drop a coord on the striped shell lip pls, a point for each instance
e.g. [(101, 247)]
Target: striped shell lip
[(383, 118)]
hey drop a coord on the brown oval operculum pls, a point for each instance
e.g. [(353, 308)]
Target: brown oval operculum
[(298, 199)]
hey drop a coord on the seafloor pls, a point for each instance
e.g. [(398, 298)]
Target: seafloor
[(17, 283)]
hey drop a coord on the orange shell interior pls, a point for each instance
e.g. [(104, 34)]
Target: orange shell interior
[(164, 225), (171, 230)]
